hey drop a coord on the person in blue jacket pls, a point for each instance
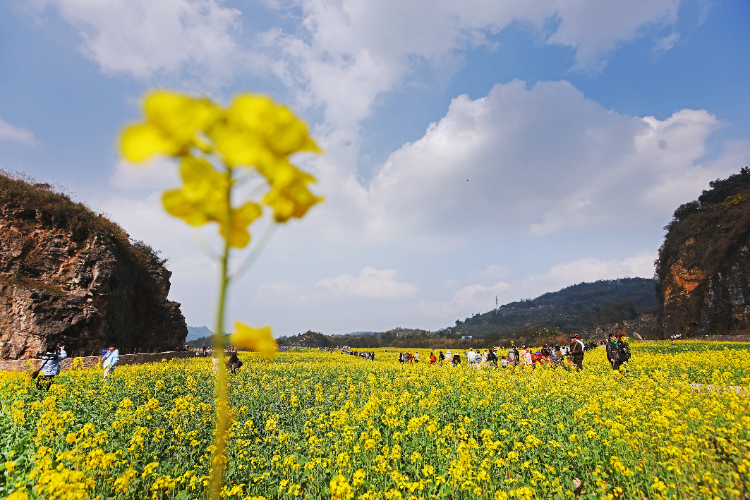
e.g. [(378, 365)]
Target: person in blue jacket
[(50, 366), (110, 360)]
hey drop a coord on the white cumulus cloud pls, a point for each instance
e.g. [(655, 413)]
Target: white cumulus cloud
[(477, 298), (142, 37), (15, 134), (371, 283), (345, 53), (570, 273), (542, 159)]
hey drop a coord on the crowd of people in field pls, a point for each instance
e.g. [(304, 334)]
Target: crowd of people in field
[(555, 355), (618, 353)]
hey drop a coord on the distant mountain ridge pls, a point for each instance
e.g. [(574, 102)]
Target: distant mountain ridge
[(552, 315), (198, 332), (572, 309)]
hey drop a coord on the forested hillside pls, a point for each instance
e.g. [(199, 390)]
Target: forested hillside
[(549, 317), (571, 309)]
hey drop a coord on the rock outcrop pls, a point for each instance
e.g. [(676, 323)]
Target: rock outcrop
[(643, 326), (71, 277), (696, 303), (704, 264)]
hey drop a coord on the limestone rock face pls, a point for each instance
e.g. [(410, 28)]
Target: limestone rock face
[(704, 263), (83, 291), (696, 303)]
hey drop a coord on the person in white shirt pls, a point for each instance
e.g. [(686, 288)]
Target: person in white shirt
[(110, 360)]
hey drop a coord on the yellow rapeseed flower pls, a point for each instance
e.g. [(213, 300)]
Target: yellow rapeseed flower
[(256, 339), (204, 198), (255, 131), (18, 495), (172, 126), (340, 488)]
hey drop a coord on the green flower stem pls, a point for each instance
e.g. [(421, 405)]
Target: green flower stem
[(218, 459)]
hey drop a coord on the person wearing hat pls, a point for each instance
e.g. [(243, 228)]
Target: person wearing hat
[(576, 352)]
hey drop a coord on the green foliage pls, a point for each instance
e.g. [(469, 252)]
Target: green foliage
[(571, 309), (31, 203), (705, 232), (721, 189), (27, 203), (149, 252), (686, 210), (548, 318)]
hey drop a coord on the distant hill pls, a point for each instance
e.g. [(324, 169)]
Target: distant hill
[(549, 317), (199, 336), (571, 309), (198, 332)]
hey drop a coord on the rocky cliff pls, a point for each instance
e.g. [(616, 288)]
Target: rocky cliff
[(704, 264), (642, 327), (70, 276)]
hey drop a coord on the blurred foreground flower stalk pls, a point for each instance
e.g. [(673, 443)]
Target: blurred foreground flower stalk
[(248, 142)]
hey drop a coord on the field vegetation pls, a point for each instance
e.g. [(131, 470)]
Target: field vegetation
[(325, 425)]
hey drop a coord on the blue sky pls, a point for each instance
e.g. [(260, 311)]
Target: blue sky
[(580, 127)]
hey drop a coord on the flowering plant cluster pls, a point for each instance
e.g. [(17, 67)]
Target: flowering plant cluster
[(327, 425), (250, 140)]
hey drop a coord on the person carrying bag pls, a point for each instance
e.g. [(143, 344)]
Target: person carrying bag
[(50, 368)]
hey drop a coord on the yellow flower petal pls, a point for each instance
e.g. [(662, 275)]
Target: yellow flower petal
[(256, 131), (141, 141), (203, 197), (242, 217), (282, 131), (178, 205), (289, 196), (256, 339), (173, 124), (180, 116)]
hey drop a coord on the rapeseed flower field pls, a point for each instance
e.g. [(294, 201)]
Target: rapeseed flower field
[(676, 424)]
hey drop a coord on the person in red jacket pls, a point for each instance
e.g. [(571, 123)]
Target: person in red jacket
[(433, 359)]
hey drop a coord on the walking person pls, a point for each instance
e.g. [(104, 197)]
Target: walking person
[(555, 356), (618, 351), (576, 352), (492, 357), (526, 358), (514, 357), (624, 349), (110, 360), (50, 366), (234, 363), (456, 359)]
